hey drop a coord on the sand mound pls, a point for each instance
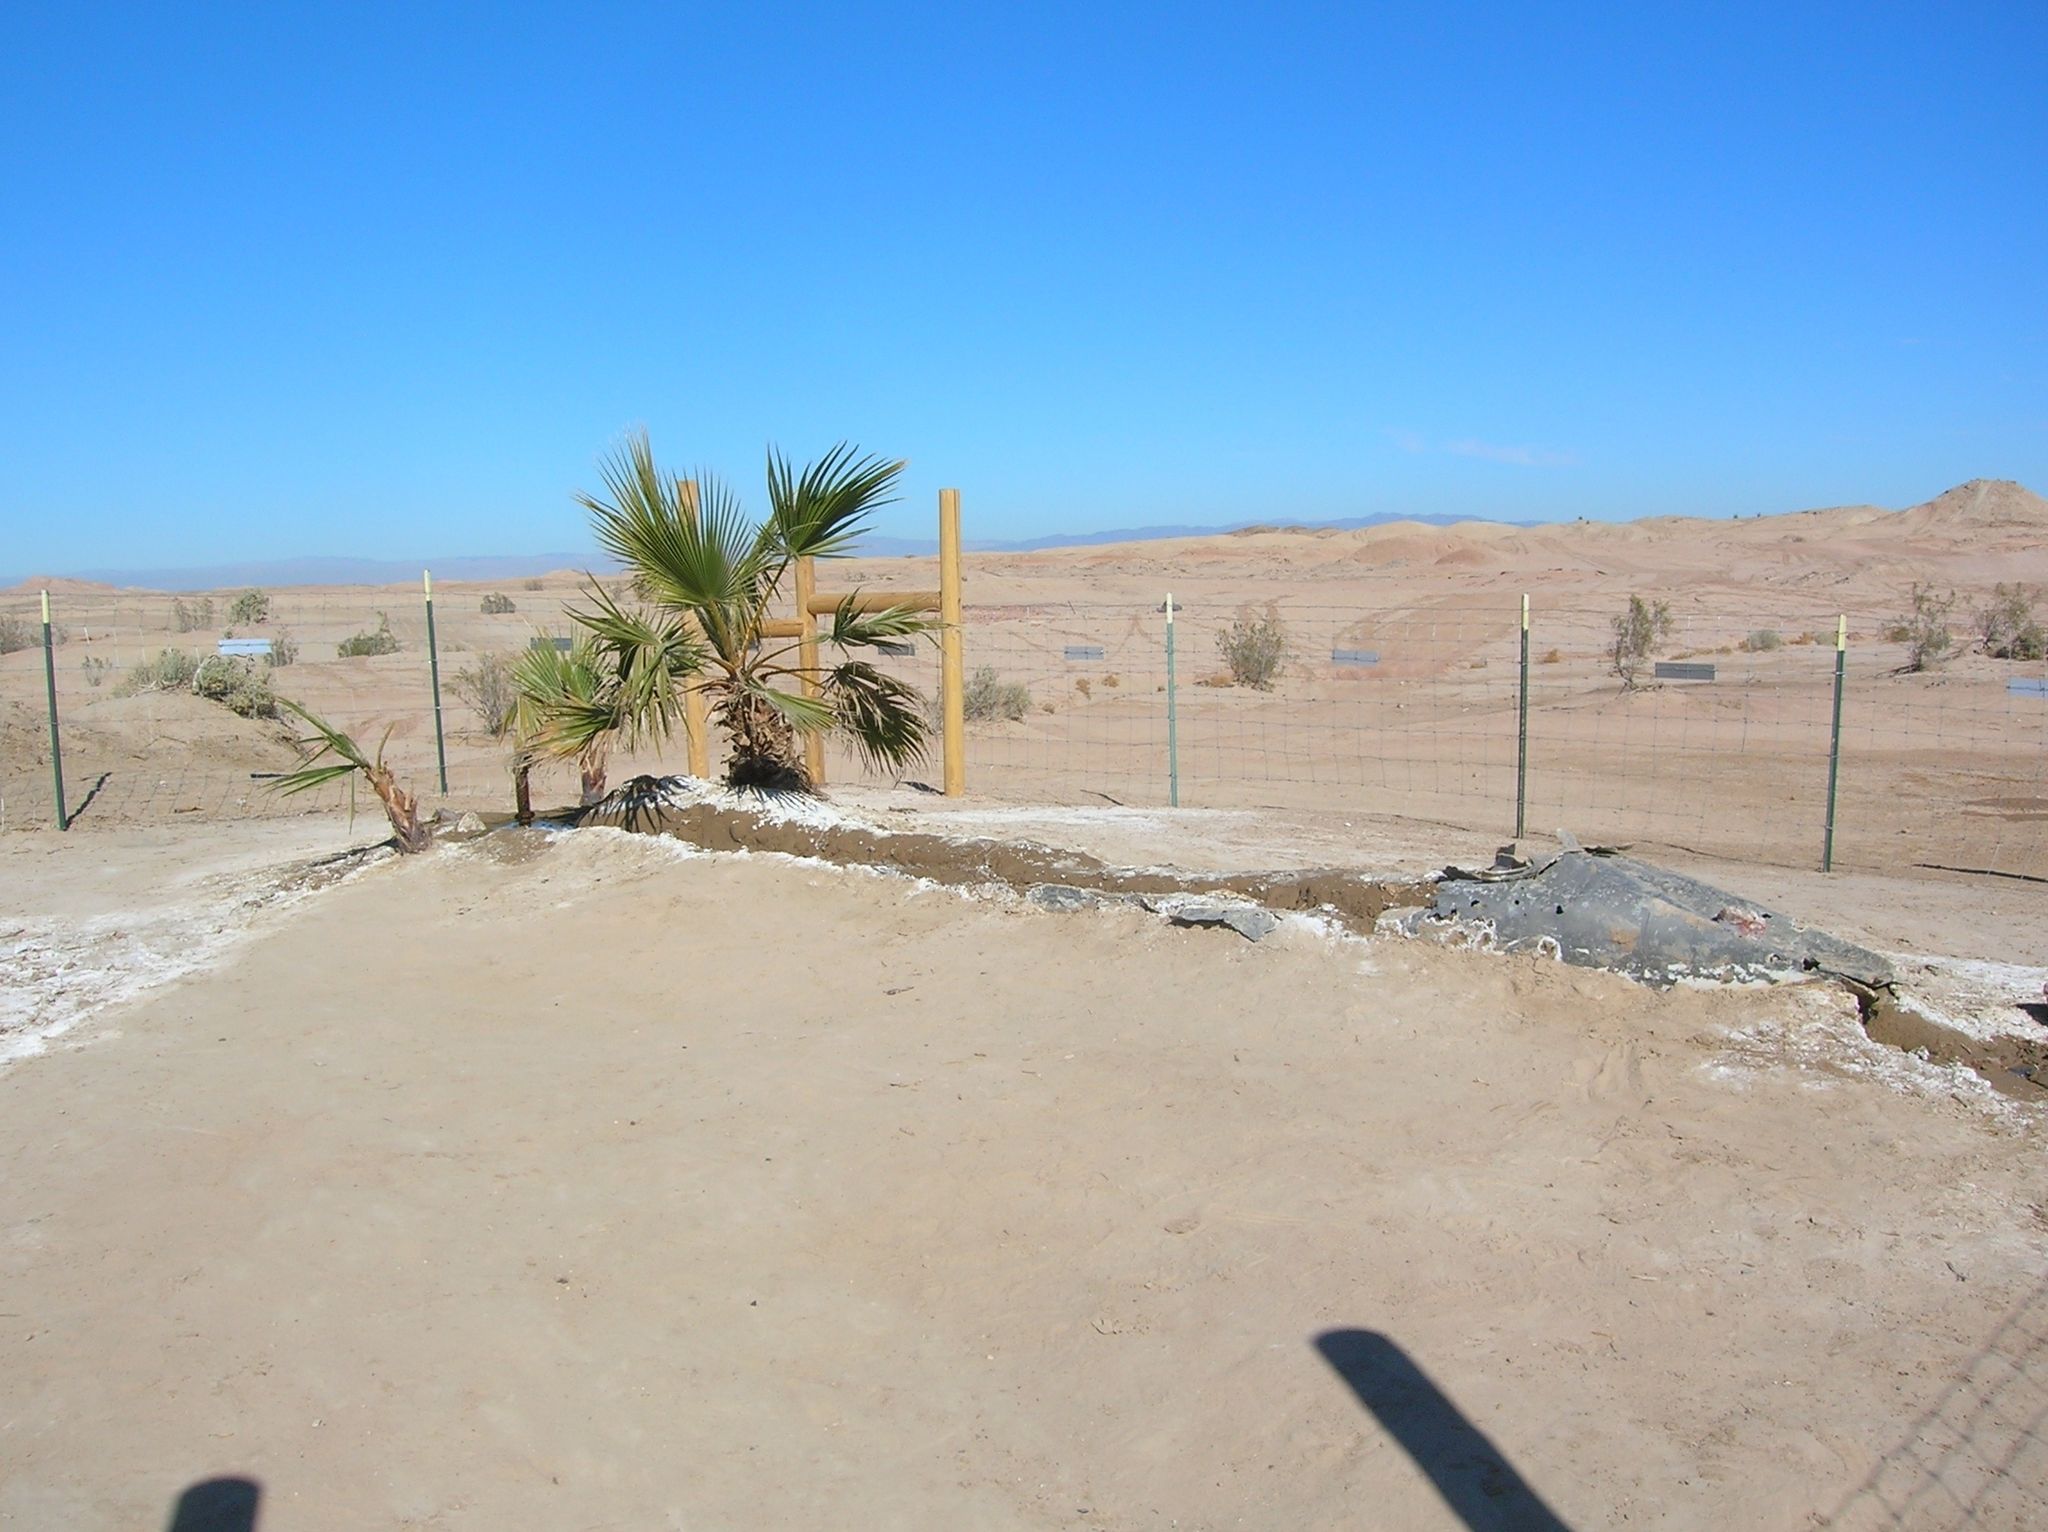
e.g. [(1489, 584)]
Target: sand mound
[(1981, 503)]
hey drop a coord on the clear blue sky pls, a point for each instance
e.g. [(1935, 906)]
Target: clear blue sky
[(290, 279)]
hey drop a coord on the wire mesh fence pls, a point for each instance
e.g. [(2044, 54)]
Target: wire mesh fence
[(1424, 709)]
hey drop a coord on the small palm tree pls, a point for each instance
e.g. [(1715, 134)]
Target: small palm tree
[(563, 704), (401, 808), (705, 577)]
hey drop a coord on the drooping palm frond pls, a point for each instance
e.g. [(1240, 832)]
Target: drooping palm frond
[(645, 659), (401, 808), (820, 512), (565, 710), (853, 628), (325, 740), (882, 715)]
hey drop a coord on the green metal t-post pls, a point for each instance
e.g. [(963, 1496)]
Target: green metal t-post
[(1522, 735), (1172, 716), (434, 669), (50, 687), (1827, 845)]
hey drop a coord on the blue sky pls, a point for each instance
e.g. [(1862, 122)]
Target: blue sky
[(376, 280)]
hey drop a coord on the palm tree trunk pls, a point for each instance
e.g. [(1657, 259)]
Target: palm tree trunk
[(522, 792), (764, 748), (402, 809)]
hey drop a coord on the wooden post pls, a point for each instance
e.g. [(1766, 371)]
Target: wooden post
[(807, 657), (952, 656), (696, 716)]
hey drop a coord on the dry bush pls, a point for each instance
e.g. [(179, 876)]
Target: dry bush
[(189, 617), (490, 690), (1112, 680), (95, 669), (536, 583), (1216, 678), (1254, 646), (1637, 631), (166, 671), (990, 697), (251, 606), (1084, 686), (497, 603), (17, 633), (1761, 641), (2009, 627), (284, 649), (1554, 657), (1924, 629), (236, 684), (379, 641)]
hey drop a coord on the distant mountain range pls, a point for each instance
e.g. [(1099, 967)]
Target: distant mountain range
[(348, 571)]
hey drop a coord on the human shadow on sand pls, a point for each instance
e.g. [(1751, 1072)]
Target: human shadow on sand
[(1472, 1475), (217, 1505)]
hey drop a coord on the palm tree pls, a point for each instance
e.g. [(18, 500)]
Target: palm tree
[(401, 808), (705, 577), (562, 695)]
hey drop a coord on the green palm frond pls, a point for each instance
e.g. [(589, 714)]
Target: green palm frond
[(711, 563), (852, 628), (806, 715), (883, 716), (325, 740), (819, 513), (566, 708)]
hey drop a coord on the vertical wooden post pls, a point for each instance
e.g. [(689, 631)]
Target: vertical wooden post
[(952, 654), (696, 717), (807, 657)]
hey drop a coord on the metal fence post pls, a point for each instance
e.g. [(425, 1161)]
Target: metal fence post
[(1522, 734), (1172, 716), (1827, 846), (50, 688), (434, 671)]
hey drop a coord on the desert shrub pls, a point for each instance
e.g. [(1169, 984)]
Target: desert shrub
[(1216, 678), (989, 696), (95, 669), (1253, 646), (1084, 686), (497, 603), (1637, 631), (237, 684), (489, 689), (251, 606), (1554, 657), (2010, 629), (1112, 680), (191, 616), (284, 649), (380, 640), (17, 633), (536, 583), (1804, 638), (167, 670), (1761, 640), (1924, 629)]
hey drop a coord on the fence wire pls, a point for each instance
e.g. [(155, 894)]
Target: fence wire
[(1379, 706)]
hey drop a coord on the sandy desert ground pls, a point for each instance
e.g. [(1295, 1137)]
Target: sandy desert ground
[(1944, 769), (587, 1180)]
